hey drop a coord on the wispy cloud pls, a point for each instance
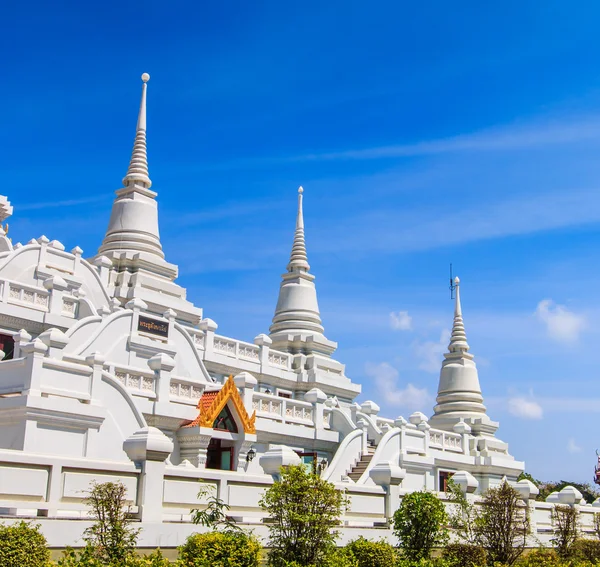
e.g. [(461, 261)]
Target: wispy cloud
[(387, 379), (572, 447), (525, 408), (54, 204), (429, 353), (561, 324), (400, 321)]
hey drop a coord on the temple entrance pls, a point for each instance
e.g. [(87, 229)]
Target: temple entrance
[(218, 456)]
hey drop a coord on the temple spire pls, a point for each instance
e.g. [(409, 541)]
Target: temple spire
[(459, 395), (297, 322), (138, 166), (458, 339), (298, 258)]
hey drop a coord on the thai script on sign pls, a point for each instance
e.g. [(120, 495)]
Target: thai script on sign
[(154, 327)]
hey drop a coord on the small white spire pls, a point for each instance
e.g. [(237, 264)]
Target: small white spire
[(299, 259), (458, 339), (138, 166)]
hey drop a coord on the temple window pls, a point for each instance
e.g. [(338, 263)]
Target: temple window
[(7, 345), (444, 477), (225, 421), (219, 457)]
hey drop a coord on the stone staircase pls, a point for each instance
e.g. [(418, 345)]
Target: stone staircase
[(359, 468)]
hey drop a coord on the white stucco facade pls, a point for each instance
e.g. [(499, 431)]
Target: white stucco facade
[(112, 374)]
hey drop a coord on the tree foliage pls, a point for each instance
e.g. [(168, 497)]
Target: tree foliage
[(464, 555), (220, 549), (214, 515), (588, 492), (566, 528), (502, 524), (111, 537), (462, 514), (303, 511), (368, 553), (23, 545), (419, 524)]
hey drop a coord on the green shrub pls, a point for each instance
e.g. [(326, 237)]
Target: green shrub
[(342, 557), (542, 557), (87, 557), (464, 555), (419, 524), (303, 511), (586, 550), (372, 553), (22, 545), (220, 549)]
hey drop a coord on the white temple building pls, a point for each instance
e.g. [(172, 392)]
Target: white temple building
[(109, 372)]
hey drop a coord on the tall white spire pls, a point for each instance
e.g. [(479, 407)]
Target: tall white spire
[(297, 322), (298, 258), (133, 225), (459, 393), (138, 166)]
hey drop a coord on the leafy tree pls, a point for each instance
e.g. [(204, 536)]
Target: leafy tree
[(502, 525), (566, 528), (112, 536), (303, 510), (419, 524), (220, 549), (585, 550), (463, 514), (369, 553), (464, 555), (215, 514), (23, 545)]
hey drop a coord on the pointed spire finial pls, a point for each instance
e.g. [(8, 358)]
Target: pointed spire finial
[(138, 166), (458, 339), (299, 258)]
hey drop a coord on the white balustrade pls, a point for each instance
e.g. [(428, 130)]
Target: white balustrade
[(283, 409), (34, 297), (445, 440), (185, 390), (135, 381)]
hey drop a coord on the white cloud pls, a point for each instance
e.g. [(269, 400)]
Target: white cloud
[(561, 324), (527, 409), (572, 447), (386, 378), (400, 321), (430, 352)]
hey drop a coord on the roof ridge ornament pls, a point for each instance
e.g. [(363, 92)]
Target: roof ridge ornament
[(137, 173)]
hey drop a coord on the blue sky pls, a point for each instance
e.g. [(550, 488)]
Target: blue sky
[(423, 134)]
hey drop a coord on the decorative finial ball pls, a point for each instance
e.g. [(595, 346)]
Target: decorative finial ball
[(145, 77), (300, 189), (456, 280)]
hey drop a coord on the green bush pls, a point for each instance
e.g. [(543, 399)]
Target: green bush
[(22, 545), (419, 524), (464, 555), (372, 553), (87, 558), (542, 557), (586, 550), (220, 549)]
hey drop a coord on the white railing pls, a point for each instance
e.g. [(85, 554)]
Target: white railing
[(279, 359), (69, 306), (445, 440), (32, 296), (236, 349), (283, 409), (133, 380), (197, 337), (185, 390)]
